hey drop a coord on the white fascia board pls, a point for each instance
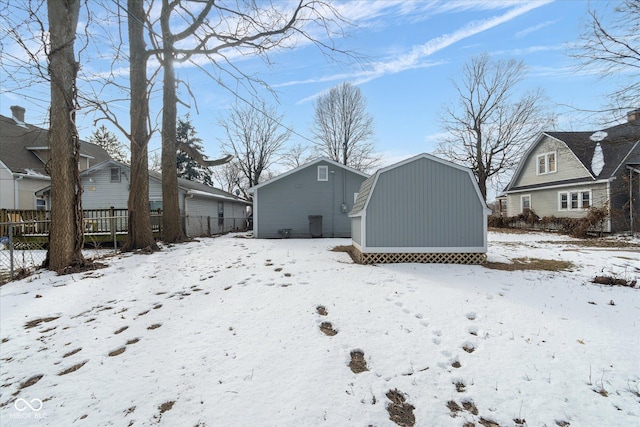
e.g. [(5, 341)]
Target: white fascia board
[(551, 187), (424, 250), (306, 165)]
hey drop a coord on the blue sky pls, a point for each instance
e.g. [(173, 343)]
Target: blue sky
[(412, 52)]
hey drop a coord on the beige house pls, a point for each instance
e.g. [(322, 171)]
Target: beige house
[(564, 174)]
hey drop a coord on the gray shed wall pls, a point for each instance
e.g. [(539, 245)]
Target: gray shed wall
[(425, 203), (287, 203)]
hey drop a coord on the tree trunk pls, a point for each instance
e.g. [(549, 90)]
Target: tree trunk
[(172, 227), (140, 234), (66, 237)]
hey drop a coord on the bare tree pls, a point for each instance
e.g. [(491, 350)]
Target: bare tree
[(255, 137), (343, 128), (489, 127), (229, 177), (296, 156), (139, 231), (613, 48), (217, 30), (66, 237)]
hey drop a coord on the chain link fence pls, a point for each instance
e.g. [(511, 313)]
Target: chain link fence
[(23, 244), (23, 247)]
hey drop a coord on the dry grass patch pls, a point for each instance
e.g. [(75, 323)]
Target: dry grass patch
[(327, 329), (596, 243), (117, 351), (358, 363), (399, 411), (347, 249), (488, 423), (73, 368), (33, 323), (31, 381), (72, 352), (519, 264), (614, 281)]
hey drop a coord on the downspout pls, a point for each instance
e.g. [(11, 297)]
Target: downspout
[(610, 205), (333, 202), (631, 221), (16, 198)]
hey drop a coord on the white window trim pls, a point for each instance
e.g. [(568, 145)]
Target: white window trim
[(546, 163), (323, 173), (522, 197), (580, 194)]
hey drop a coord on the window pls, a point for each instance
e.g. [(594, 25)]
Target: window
[(115, 174), (573, 200), (564, 201), (41, 204), (546, 163), (155, 205), (220, 214), (323, 173), (525, 203)]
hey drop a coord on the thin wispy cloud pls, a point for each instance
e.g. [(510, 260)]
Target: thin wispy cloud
[(531, 49), (527, 31), (415, 58)]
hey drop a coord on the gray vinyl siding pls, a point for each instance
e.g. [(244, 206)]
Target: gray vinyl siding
[(425, 203), (286, 203), (155, 191), (567, 165), (101, 193), (546, 202), (356, 230), (202, 218)]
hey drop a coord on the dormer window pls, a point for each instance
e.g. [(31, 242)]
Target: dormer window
[(546, 163), (323, 173), (115, 174)]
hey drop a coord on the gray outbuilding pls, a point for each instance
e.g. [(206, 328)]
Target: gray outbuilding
[(423, 209), (312, 200)]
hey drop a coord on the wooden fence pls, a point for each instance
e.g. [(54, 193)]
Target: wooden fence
[(106, 225)]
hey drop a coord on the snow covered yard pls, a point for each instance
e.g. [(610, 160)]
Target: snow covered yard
[(231, 331)]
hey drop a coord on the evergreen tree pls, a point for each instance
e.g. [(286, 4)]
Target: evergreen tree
[(187, 166), (107, 140)]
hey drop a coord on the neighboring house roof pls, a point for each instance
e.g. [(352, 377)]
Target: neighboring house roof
[(20, 142), (368, 186), (620, 145), (306, 165), (191, 187)]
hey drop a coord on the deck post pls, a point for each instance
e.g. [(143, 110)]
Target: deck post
[(112, 226), (11, 251)]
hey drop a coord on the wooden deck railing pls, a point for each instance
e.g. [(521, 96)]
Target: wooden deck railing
[(107, 224)]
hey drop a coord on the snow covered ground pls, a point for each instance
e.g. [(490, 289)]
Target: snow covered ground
[(227, 332)]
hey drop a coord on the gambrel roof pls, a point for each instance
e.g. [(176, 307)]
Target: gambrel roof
[(368, 186)]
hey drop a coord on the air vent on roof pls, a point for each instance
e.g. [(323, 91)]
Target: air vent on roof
[(18, 115)]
